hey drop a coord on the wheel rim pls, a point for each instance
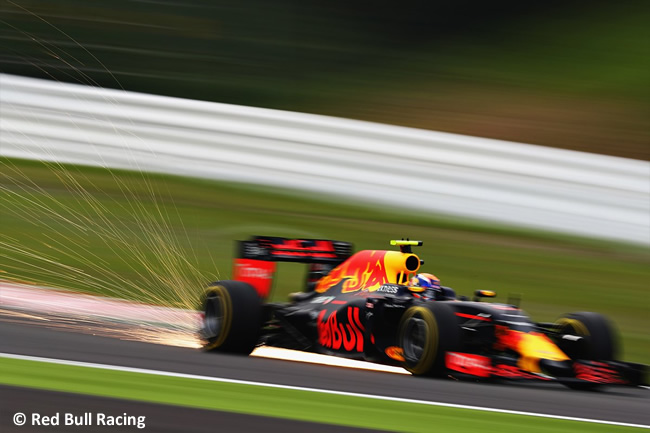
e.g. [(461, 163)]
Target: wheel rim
[(415, 340), (573, 327), (213, 320)]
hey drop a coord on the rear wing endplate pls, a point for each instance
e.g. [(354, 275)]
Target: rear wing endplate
[(255, 261)]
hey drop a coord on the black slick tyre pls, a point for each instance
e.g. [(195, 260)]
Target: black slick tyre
[(232, 317), (426, 333), (598, 340)]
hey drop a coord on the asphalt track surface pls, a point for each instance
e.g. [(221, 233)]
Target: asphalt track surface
[(155, 417), (618, 404)]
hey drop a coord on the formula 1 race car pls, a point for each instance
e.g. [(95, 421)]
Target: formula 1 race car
[(369, 306)]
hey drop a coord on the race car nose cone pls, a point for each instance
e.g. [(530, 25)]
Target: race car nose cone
[(556, 368)]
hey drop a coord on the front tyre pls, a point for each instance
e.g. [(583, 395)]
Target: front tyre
[(586, 336), (426, 333), (597, 338), (232, 317)]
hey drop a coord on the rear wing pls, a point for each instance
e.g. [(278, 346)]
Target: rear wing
[(255, 260)]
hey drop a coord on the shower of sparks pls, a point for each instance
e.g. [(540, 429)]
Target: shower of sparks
[(69, 234), (108, 317), (78, 226), (134, 231)]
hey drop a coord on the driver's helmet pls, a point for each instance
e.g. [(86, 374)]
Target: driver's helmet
[(425, 281)]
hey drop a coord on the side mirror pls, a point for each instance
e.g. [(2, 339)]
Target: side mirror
[(483, 294)]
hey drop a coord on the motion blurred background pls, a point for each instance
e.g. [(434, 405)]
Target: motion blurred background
[(568, 74), (565, 74)]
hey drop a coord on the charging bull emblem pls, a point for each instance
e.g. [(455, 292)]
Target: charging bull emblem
[(366, 271)]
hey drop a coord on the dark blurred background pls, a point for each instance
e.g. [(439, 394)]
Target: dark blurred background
[(567, 74)]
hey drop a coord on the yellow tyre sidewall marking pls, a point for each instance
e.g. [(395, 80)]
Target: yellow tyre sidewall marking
[(431, 343), (579, 327), (226, 323)]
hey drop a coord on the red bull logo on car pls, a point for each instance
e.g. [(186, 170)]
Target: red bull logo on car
[(345, 333)]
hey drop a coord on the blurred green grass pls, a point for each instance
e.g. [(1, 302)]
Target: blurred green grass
[(201, 219), (557, 74)]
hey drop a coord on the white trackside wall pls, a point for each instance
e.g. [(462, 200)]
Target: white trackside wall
[(512, 183)]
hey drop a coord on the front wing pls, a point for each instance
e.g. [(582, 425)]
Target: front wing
[(468, 365)]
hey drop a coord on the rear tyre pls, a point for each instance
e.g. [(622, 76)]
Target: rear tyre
[(232, 317), (426, 333)]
